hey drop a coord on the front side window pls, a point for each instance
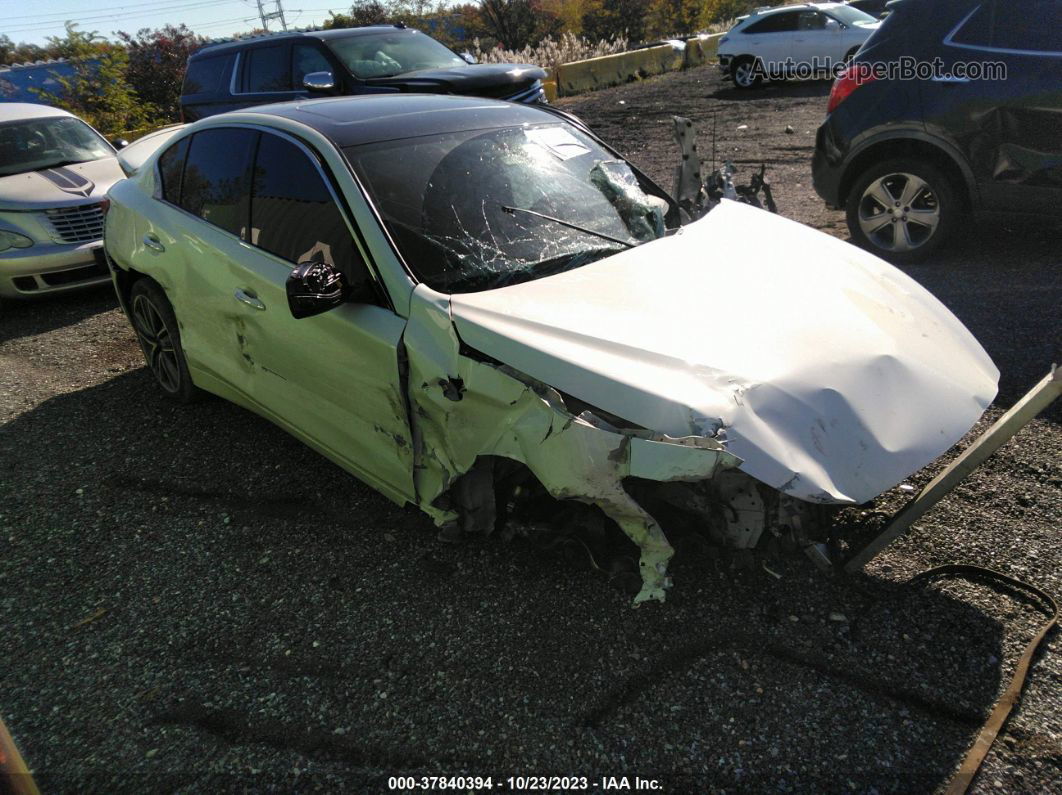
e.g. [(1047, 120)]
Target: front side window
[(1037, 28), (306, 58), (36, 144), (293, 214), (392, 53), (812, 20), (216, 182), (267, 70), (481, 209), (851, 16)]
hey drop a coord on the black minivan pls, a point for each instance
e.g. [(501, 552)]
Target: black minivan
[(377, 59), (973, 127)]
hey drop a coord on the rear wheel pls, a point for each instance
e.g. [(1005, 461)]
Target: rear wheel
[(744, 72), (160, 340), (902, 210)]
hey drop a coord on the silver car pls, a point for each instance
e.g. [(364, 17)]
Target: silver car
[(54, 173)]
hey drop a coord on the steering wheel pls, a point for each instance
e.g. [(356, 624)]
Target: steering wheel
[(35, 140)]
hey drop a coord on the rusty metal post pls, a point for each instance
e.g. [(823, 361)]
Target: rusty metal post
[(14, 775), (1021, 414)]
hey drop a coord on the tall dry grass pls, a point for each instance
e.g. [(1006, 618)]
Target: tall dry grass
[(550, 53)]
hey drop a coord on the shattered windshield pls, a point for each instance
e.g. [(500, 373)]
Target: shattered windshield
[(481, 209), (35, 144), (396, 52)]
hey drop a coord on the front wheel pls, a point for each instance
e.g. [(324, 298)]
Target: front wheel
[(902, 210), (744, 72), (160, 340)]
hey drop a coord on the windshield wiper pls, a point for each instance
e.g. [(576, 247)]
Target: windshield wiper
[(576, 227)]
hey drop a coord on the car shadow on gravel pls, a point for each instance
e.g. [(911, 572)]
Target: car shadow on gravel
[(190, 594), (1000, 279), (773, 91), (33, 317)]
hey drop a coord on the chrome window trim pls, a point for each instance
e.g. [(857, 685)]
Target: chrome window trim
[(949, 41), (235, 73)]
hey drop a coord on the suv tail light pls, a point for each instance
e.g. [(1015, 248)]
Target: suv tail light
[(848, 81)]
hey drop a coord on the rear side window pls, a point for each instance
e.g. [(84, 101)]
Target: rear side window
[(206, 75), (775, 23), (306, 58), (293, 214), (217, 178), (171, 166), (1036, 28), (267, 69)]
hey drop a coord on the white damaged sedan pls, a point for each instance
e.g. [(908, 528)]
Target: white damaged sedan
[(471, 304)]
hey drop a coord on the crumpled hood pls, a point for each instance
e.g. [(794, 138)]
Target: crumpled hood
[(831, 373), (59, 187), (487, 80)]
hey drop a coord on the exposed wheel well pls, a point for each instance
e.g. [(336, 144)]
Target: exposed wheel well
[(907, 147), (125, 278)]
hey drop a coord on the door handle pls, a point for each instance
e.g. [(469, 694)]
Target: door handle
[(949, 79), (151, 241), (248, 297)]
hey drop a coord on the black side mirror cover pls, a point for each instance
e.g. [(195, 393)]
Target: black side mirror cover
[(314, 288)]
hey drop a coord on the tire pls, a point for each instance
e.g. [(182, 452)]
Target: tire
[(159, 336), (743, 73), (902, 210), (850, 55)]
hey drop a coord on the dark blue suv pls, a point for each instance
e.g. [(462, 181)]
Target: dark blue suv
[(973, 126), (378, 59)]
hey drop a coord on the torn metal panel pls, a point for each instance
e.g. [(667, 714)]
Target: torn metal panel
[(574, 457), (832, 374)]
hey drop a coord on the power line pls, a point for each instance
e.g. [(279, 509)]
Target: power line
[(99, 18), (117, 10), (222, 22)]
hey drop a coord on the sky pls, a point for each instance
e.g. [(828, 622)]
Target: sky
[(34, 22)]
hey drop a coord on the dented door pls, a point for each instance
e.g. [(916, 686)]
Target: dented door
[(332, 378)]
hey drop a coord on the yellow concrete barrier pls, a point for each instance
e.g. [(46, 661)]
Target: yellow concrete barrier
[(613, 70)]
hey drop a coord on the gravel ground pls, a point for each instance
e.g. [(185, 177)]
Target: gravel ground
[(193, 600)]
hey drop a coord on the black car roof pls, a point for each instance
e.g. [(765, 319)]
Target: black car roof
[(336, 33), (352, 121)]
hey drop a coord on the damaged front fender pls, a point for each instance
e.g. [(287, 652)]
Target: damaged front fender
[(502, 413)]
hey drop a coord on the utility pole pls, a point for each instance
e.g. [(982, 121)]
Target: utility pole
[(276, 13)]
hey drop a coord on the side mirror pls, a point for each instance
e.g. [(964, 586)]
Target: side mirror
[(119, 143), (319, 81), (834, 25), (469, 58), (313, 288)]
